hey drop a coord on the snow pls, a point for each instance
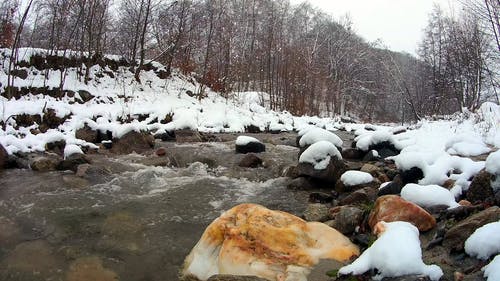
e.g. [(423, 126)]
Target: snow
[(428, 195), (351, 178), (466, 145), (395, 253), (313, 135), (319, 154), (244, 140), (493, 163), (71, 149), (492, 270), (484, 242), (364, 141)]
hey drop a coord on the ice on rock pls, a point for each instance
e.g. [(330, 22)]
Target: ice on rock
[(484, 242), (395, 253), (319, 154)]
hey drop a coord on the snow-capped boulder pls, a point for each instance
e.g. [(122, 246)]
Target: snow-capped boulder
[(314, 135), (71, 149), (246, 144), (454, 238), (428, 195), (395, 253), (352, 180), (484, 242), (252, 240), (321, 161), (391, 208)]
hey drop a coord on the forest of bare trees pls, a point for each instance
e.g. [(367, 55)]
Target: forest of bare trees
[(307, 61)]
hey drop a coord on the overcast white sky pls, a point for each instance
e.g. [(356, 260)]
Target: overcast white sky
[(398, 23)]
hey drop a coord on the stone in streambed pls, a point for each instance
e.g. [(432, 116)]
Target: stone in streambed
[(252, 240), (391, 208)]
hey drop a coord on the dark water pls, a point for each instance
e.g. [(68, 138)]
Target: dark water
[(129, 221)]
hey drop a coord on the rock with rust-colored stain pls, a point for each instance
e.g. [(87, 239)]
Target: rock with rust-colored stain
[(391, 208), (252, 240)]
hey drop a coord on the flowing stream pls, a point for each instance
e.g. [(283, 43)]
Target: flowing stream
[(128, 219)]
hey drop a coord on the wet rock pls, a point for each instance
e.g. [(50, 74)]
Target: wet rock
[(122, 233), (87, 134), (252, 129), (56, 146), (394, 187), (250, 234), (187, 136), (85, 96), (167, 136), (331, 174), (162, 151), (371, 169), (32, 256), (300, 183), (133, 142), (45, 164), (385, 149), (316, 212), (480, 189), (291, 172), (360, 196), (72, 162), (371, 155), (4, 157), (252, 146), (391, 208), (346, 218), (94, 174), (9, 231), (250, 160), (73, 181), (352, 153), (21, 73), (89, 269), (156, 161), (225, 277), (455, 237), (320, 197), (412, 175)]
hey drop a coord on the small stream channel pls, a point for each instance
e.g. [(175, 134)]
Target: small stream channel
[(128, 219)]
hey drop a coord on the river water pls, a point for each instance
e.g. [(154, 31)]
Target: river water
[(128, 219)]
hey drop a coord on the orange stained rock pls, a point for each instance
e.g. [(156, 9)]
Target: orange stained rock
[(252, 240), (391, 208)]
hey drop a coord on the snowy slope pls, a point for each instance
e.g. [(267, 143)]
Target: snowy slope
[(121, 98)]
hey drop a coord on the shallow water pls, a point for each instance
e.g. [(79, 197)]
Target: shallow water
[(130, 221)]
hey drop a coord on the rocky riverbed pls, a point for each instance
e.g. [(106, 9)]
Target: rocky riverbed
[(128, 216)]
